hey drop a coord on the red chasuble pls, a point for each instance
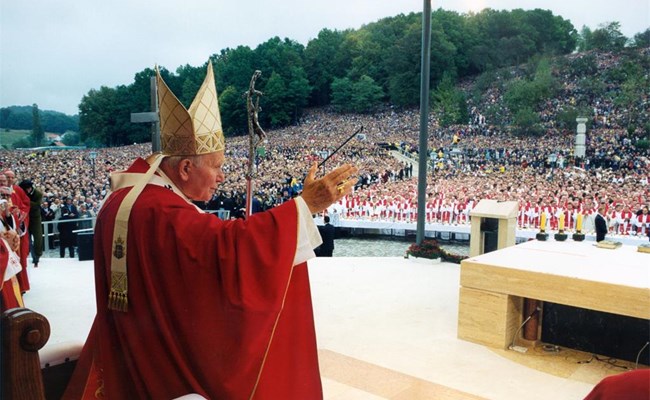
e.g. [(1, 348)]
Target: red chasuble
[(20, 199), (215, 307), (9, 289)]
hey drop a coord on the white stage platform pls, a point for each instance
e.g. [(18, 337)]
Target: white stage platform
[(386, 329)]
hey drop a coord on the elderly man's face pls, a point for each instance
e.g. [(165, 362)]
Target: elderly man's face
[(205, 179), (3, 180), (11, 177)]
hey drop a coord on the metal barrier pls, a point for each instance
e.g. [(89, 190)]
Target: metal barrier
[(50, 227), (221, 213)]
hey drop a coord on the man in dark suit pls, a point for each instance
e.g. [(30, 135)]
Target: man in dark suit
[(601, 224), (327, 233), (66, 234)]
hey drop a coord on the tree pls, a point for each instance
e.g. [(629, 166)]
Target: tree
[(633, 89), (584, 39), (233, 111), (97, 116), (449, 102), (642, 39), (70, 139), (274, 102), (38, 135), (526, 122), (528, 94), (342, 89), (584, 65), (233, 69), (4, 117), (298, 91), (325, 59), (607, 37), (191, 78), (366, 95)]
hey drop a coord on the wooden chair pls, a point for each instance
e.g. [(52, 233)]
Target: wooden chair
[(25, 374), (24, 377)]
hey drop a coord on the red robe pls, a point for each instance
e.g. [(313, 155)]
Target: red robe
[(9, 289), (630, 385), (20, 199), (215, 307)]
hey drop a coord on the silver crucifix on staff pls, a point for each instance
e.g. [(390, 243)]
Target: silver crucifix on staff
[(255, 136)]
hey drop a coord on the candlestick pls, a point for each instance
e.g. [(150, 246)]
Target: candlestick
[(579, 223), (542, 222), (561, 222)]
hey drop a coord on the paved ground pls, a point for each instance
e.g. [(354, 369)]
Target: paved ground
[(386, 329)]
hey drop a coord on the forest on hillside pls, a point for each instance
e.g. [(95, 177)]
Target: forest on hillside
[(378, 66)]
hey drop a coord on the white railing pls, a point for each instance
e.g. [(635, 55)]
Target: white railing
[(50, 227)]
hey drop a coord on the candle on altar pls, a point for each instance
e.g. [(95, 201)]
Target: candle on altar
[(561, 222), (542, 222), (579, 223)]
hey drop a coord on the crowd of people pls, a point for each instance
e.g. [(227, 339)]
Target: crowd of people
[(467, 163)]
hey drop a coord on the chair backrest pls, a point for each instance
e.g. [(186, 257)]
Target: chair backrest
[(24, 333)]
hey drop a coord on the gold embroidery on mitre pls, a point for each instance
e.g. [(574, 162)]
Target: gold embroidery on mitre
[(195, 131)]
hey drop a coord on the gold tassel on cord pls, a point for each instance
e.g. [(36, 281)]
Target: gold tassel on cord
[(117, 297), (118, 301)]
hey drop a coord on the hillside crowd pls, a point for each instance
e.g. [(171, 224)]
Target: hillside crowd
[(467, 163)]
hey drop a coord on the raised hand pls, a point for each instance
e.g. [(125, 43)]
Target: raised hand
[(321, 193)]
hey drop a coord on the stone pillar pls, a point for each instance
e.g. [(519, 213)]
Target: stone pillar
[(581, 136)]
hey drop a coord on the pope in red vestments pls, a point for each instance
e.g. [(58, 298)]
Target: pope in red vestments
[(217, 308)]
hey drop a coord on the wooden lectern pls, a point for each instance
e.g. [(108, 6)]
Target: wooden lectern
[(493, 225)]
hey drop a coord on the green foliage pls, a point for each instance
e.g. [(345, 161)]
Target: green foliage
[(366, 95), (524, 94), (325, 59), (566, 119), (274, 101), (584, 65), (380, 60), (526, 122), (449, 103), (23, 143), (97, 116), (233, 111), (607, 37), (71, 139), (594, 87), (362, 96), (10, 136), (341, 94), (485, 81), (21, 117), (584, 39), (643, 144), (642, 39), (38, 135)]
